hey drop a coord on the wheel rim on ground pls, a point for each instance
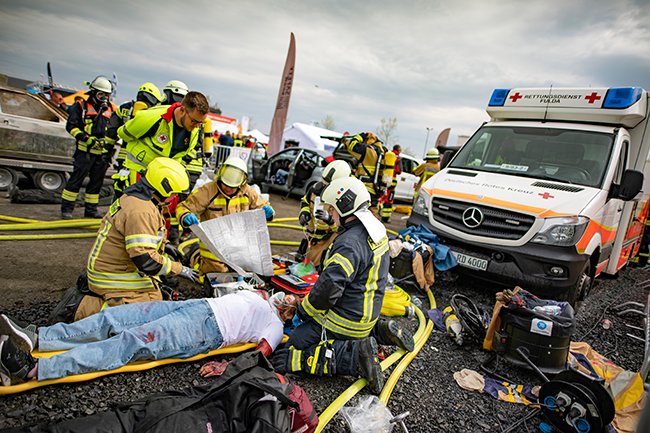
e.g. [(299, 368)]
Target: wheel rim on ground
[(7, 177), (50, 181)]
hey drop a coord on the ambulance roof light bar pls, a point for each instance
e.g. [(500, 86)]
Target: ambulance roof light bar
[(622, 97)]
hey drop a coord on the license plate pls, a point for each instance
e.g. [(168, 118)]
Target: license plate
[(470, 262)]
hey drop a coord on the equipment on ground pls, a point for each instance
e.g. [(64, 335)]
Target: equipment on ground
[(454, 328)]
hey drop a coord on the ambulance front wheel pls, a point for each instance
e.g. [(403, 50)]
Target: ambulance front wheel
[(580, 289)]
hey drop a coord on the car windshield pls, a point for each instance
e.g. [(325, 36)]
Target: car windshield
[(562, 155)]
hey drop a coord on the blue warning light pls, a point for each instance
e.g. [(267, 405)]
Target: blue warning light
[(622, 97), (498, 97)]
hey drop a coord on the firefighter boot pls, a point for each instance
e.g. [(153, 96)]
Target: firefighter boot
[(368, 364), (391, 331)]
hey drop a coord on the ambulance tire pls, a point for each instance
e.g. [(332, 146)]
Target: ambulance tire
[(579, 291)]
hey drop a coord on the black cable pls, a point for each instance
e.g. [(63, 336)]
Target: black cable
[(469, 316), (529, 415)]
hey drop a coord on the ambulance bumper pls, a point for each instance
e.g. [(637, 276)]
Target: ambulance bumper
[(547, 271)]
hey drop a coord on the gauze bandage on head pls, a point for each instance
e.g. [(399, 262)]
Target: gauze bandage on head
[(280, 304)]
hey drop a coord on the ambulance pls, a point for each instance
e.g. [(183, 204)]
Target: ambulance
[(548, 194)]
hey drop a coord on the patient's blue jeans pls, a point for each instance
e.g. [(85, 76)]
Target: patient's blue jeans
[(119, 335)]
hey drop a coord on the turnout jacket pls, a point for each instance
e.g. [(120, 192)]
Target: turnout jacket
[(317, 228), (350, 289), (367, 156), (129, 245), (150, 135), (88, 120), (425, 171), (208, 202)]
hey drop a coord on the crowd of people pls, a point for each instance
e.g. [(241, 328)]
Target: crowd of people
[(122, 312)]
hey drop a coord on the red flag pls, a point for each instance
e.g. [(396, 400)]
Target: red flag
[(282, 106)]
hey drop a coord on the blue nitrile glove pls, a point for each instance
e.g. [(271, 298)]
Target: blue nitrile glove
[(268, 210), (297, 321), (190, 219)]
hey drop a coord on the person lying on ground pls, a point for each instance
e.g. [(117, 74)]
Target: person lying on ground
[(149, 330)]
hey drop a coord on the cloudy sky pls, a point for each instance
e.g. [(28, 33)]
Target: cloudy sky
[(430, 64)]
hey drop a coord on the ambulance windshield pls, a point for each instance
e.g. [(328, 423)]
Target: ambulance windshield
[(562, 155)]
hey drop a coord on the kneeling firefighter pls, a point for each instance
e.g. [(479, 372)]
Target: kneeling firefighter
[(321, 229), (127, 257), (337, 323), (227, 194)]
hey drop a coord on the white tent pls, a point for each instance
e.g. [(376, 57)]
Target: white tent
[(259, 136), (310, 137)]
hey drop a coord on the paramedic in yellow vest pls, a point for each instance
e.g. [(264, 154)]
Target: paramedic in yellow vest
[(430, 167), (227, 194), (171, 131), (148, 96), (87, 123), (320, 227), (127, 257), (369, 152)]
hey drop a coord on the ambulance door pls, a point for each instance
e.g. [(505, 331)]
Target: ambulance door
[(616, 214)]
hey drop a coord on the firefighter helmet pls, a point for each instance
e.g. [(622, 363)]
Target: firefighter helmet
[(233, 172), (177, 87), (149, 94), (433, 154), (336, 169), (347, 195), (167, 176), (101, 84)]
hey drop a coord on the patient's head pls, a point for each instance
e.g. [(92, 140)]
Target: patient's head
[(285, 304)]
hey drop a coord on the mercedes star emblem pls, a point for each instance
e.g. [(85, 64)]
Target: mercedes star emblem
[(472, 217)]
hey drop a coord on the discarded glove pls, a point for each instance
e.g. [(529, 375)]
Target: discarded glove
[(323, 215), (280, 360), (170, 294), (304, 218), (190, 274), (190, 219), (213, 368), (268, 210), (173, 252)]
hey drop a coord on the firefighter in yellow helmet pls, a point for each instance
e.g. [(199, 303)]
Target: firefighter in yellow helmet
[(369, 152), (87, 123), (148, 96), (430, 167), (320, 226), (127, 258), (227, 194)]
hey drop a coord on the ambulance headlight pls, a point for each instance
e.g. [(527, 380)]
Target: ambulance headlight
[(421, 203), (561, 231)]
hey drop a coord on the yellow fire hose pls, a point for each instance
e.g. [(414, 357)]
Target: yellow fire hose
[(49, 225), (420, 337)]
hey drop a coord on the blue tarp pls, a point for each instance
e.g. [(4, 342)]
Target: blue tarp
[(443, 259)]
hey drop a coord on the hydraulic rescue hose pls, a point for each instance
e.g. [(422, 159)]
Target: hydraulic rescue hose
[(420, 337)]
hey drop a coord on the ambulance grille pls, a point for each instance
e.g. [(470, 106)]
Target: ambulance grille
[(557, 186), (496, 223)]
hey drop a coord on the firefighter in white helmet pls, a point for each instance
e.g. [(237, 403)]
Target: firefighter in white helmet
[(337, 323), (174, 92), (430, 167), (320, 226), (227, 194)]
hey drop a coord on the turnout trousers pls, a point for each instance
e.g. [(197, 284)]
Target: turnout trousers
[(85, 164)]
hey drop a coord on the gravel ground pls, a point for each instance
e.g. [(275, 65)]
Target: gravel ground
[(427, 388)]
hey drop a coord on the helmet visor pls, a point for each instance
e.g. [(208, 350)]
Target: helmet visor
[(232, 176)]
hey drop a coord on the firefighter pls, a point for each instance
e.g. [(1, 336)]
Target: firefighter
[(148, 96), (393, 169), (174, 92), (369, 153), (430, 167), (320, 225), (227, 194), (127, 257), (238, 141), (87, 123), (338, 326)]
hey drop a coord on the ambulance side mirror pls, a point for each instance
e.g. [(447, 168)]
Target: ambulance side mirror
[(631, 184)]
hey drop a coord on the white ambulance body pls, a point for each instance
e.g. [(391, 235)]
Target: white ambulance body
[(547, 195)]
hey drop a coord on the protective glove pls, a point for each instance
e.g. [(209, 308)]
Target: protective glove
[(268, 210), (187, 159), (213, 368), (323, 215), (169, 294), (190, 274), (304, 218), (172, 252), (280, 361), (297, 321), (190, 219)]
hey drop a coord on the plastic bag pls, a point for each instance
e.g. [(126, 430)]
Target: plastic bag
[(302, 269), (370, 416)]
